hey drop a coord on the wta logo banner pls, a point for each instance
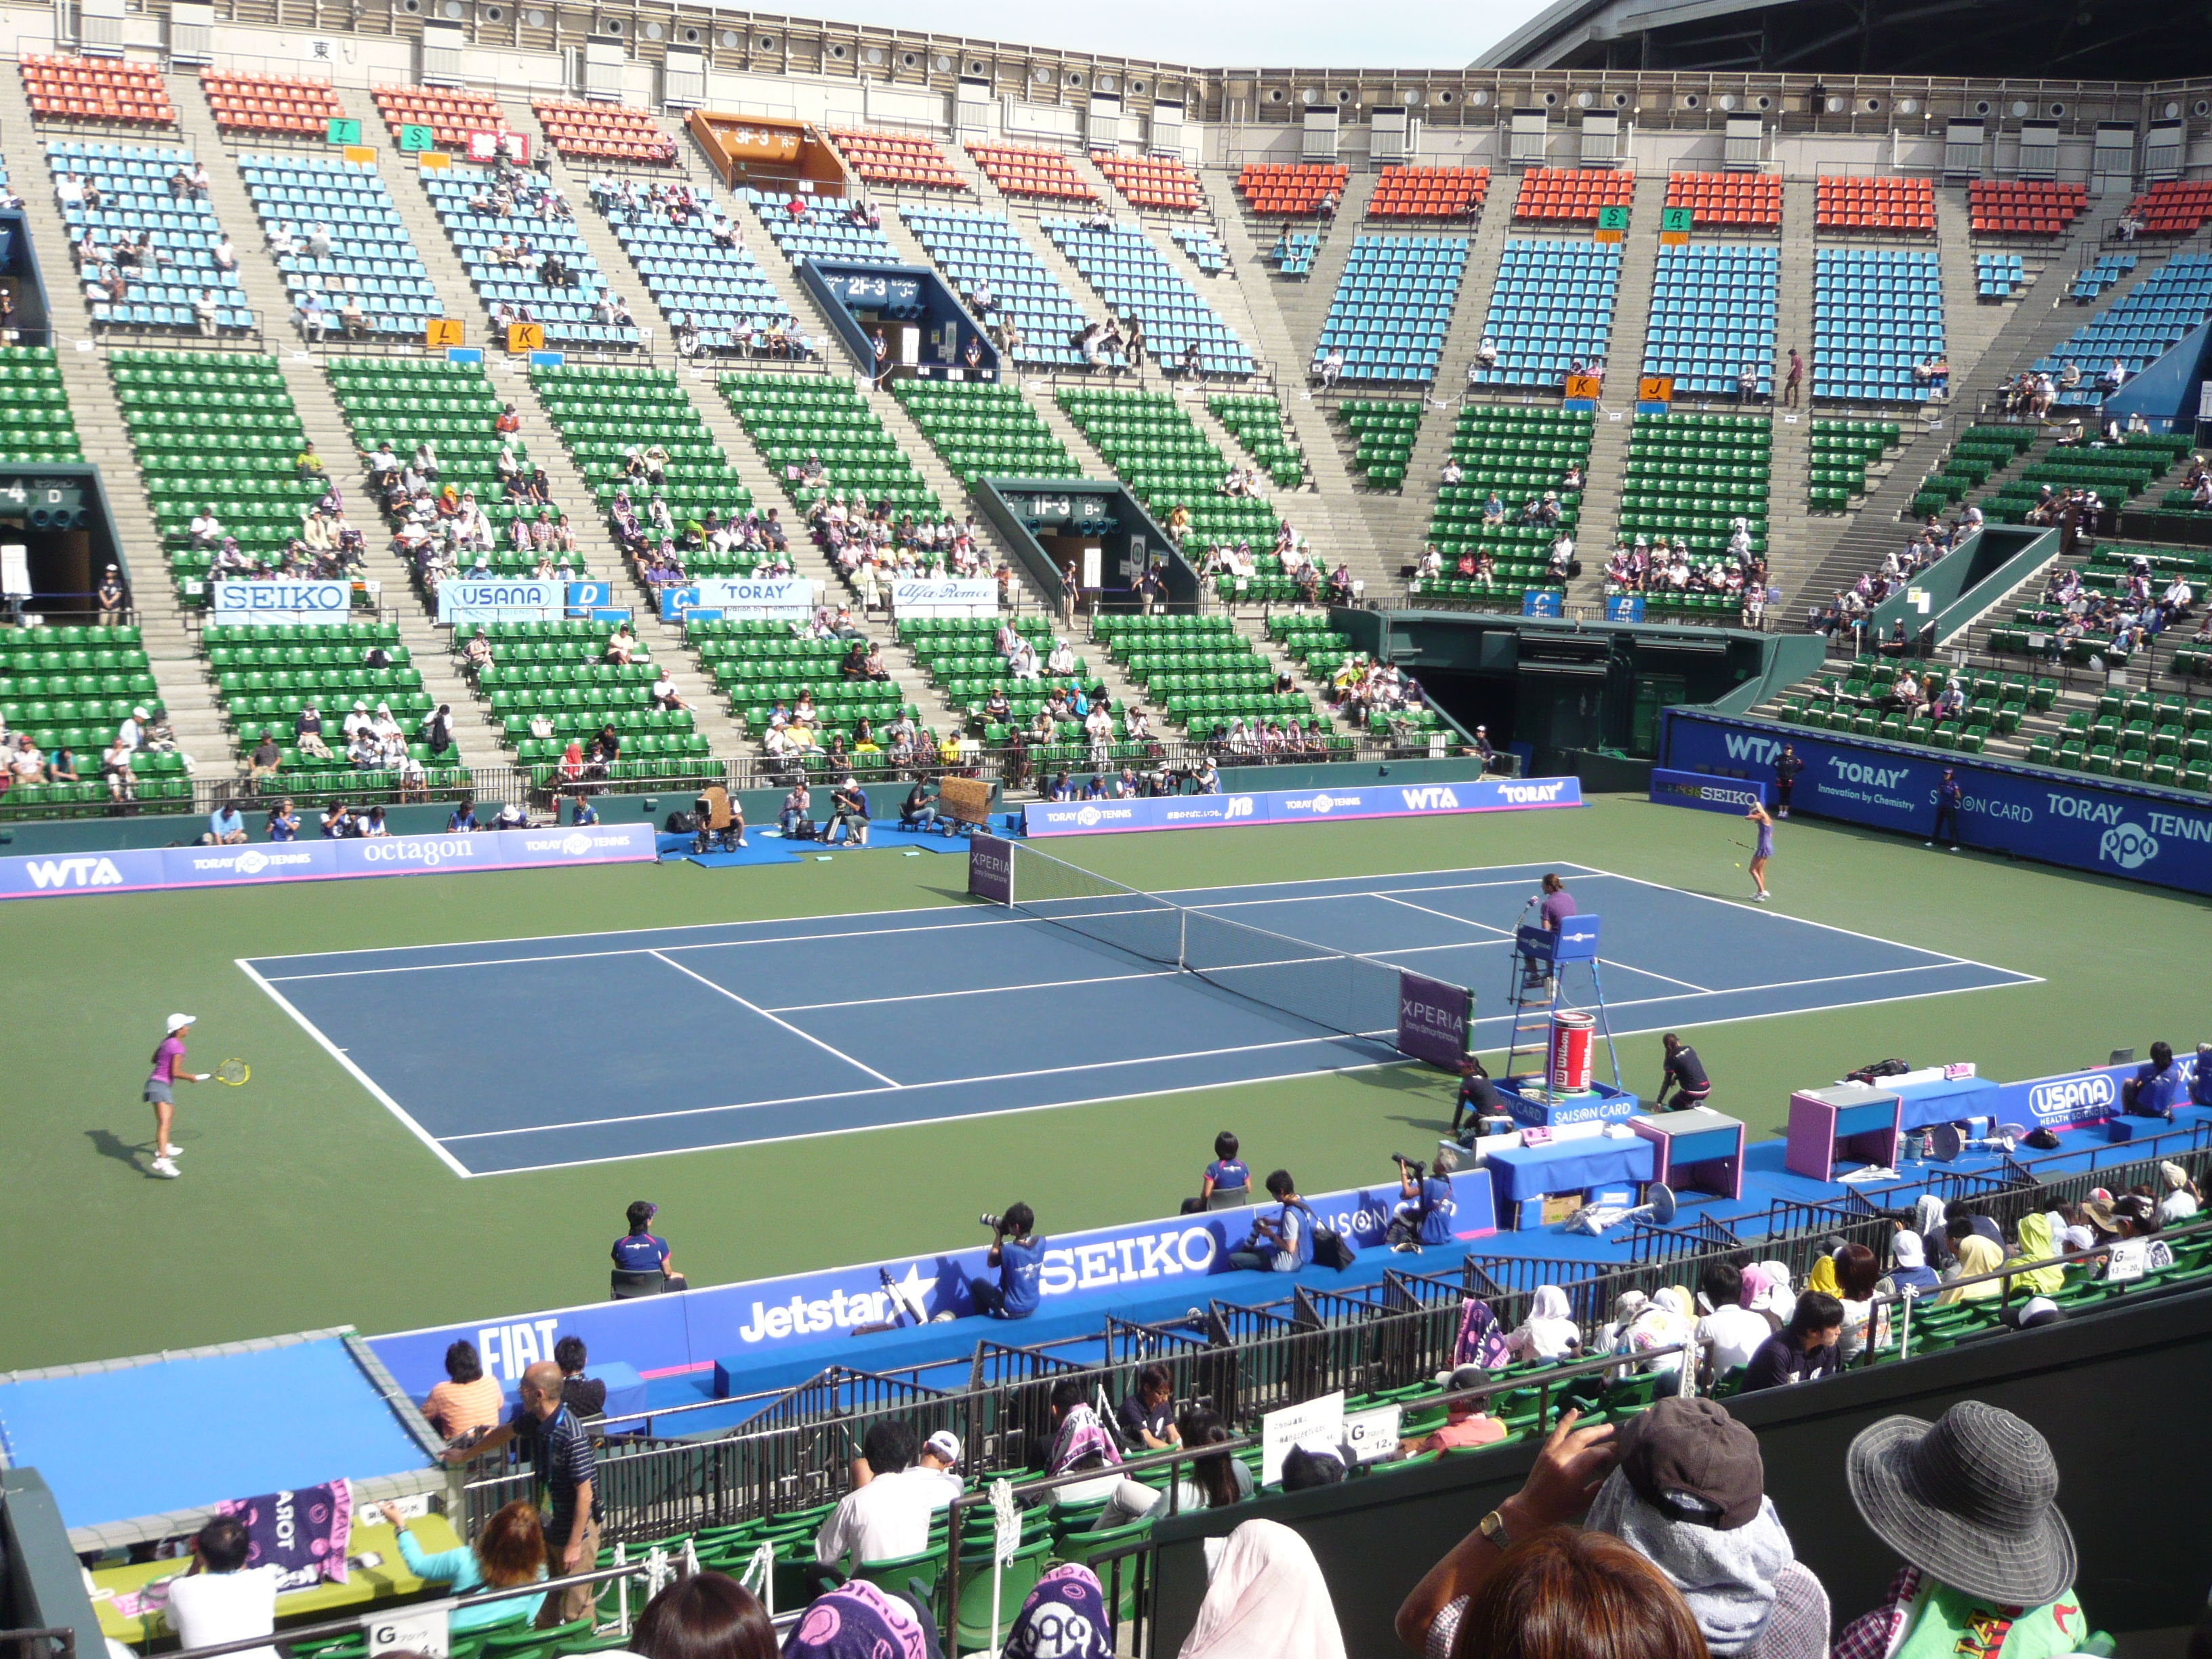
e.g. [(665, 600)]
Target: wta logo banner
[(1301, 806)]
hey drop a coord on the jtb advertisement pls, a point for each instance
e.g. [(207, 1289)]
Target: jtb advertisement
[(2053, 816), (1300, 805), (662, 1333), (133, 870)]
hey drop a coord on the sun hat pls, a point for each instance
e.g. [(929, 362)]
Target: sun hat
[(1971, 1499), (178, 1022), (1688, 1458)]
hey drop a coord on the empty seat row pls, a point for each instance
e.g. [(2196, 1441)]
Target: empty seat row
[(2109, 269), (1026, 170), (1291, 189), (2024, 207), (610, 132), (1551, 308), (1728, 201), (1206, 252), (1429, 192), (903, 158), (1393, 307), (2174, 207), (270, 103), (1572, 195), (1863, 204), (1135, 280), (1999, 276), (1161, 183), (1169, 464), (985, 429), (451, 114), (96, 90), (1713, 316), (1877, 315)]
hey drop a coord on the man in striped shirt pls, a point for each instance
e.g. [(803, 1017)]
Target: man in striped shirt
[(561, 1454)]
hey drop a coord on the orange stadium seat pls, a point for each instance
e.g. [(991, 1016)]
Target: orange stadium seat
[(1020, 170), (1855, 204), (1429, 192), (904, 159), (2024, 207), (2174, 207), (1160, 182), (1572, 195), (452, 116), (105, 90), (607, 132), (270, 103), (1733, 201), (1289, 190)]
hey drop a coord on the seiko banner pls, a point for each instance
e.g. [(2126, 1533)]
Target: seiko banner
[(1710, 794), (660, 1335), (948, 597), (133, 870), (1300, 805), (2057, 817), (279, 602), (788, 597)]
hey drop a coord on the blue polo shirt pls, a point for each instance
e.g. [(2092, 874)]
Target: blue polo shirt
[(1228, 1174), (640, 1253), (225, 823), (1021, 1263)]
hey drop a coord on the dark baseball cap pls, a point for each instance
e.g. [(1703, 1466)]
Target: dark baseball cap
[(1689, 1460)]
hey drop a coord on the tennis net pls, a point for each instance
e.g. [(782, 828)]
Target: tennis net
[(1335, 989)]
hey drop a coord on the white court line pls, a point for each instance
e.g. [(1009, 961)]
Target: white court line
[(1427, 910), (756, 1008), (977, 990), (359, 1076), (1468, 921)]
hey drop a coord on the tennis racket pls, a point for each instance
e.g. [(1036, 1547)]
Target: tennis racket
[(233, 1072)]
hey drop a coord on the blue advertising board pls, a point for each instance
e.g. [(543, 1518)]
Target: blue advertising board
[(694, 1329), (1708, 793), (133, 870), (788, 597), (1300, 805), (2059, 817)]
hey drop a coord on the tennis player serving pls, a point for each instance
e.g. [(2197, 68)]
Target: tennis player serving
[(169, 1071), (1764, 851)]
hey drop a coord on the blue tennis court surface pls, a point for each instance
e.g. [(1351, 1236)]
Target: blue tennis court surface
[(516, 1054)]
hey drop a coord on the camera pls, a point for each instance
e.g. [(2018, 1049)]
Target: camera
[(1420, 1170), (996, 1224)]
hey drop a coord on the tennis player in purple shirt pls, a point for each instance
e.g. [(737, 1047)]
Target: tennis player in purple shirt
[(169, 1071)]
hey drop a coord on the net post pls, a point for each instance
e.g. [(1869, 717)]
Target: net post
[(1182, 939)]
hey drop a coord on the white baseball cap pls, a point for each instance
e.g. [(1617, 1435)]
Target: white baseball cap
[(944, 1443), (178, 1022)]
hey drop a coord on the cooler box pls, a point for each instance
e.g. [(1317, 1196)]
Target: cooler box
[(1696, 1151), (1847, 1124)]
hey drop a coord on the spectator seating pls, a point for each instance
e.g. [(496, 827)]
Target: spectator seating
[(372, 257), (410, 400), (1255, 420), (102, 89), (1692, 476), (2174, 207), (1383, 432), (607, 132), (2140, 327), (2144, 739), (1979, 452), (1393, 307), (1309, 641), (722, 291), (1136, 280), (1876, 314), (960, 656), (905, 160), (133, 181), (791, 416), (1201, 671), (264, 674), (1167, 462), (214, 429), (569, 313), (1429, 193), (972, 247), (1855, 204), (985, 429), (560, 658), (1712, 316), (1160, 183), (1294, 253), (2109, 269), (2114, 471), (35, 424), (1841, 453), (450, 114), (2105, 571), (1552, 308), (1290, 189), (70, 687), (602, 412), (757, 664), (824, 233), (282, 104), (1205, 253), (1572, 195), (1520, 454), (1728, 201), (1999, 276), (1026, 170), (2024, 207)]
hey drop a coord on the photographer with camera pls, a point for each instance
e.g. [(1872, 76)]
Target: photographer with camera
[(1282, 1240), (1424, 1212), (1019, 1259)]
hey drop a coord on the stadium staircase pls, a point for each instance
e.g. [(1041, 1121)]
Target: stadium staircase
[(172, 646)]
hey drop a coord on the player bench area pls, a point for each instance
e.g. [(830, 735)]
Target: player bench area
[(737, 1033)]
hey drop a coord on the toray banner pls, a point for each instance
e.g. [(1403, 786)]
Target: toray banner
[(279, 602), (142, 869), (1300, 805), (788, 597), (464, 602), (1432, 1020), (2084, 823), (692, 1329), (1709, 794)]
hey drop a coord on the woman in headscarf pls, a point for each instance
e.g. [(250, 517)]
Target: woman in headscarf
[(858, 1622), (1669, 1318), (1268, 1601), (2181, 1200), (2038, 1243), (1976, 1255), (1064, 1617), (571, 762), (1550, 1331), (1909, 1273), (1771, 1299)]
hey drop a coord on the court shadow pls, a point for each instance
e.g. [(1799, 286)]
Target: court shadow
[(108, 1144), (1435, 1125)]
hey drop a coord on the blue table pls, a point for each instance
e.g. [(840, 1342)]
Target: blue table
[(1525, 1174), (1945, 1100)]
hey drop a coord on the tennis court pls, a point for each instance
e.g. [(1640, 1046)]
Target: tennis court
[(518, 1055)]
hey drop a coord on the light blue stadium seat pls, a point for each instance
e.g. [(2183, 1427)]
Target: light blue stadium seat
[(1393, 307), (969, 248), (1136, 281), (1713, 314), (133, 184)]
